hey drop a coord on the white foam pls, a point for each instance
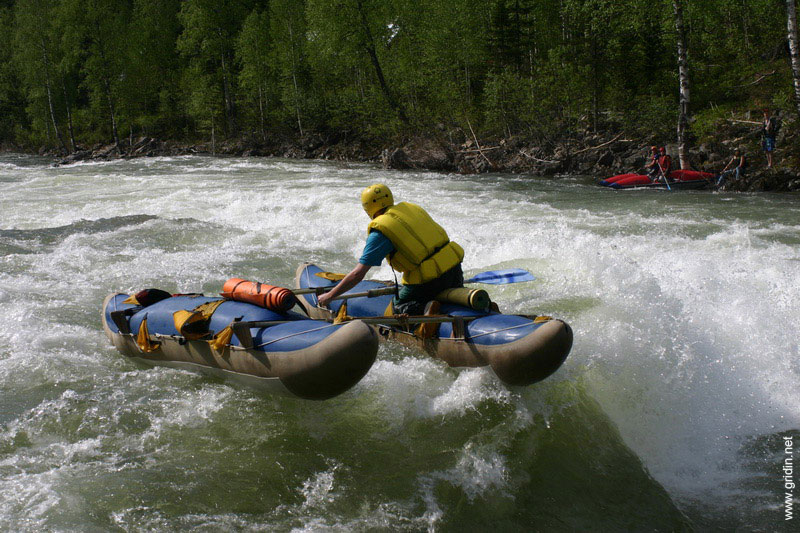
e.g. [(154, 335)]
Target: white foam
[(684, 307), (318, 490)]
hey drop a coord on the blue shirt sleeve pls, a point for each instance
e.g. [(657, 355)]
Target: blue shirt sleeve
[(378, 246)]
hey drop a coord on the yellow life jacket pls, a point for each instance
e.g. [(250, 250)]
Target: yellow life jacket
[(423, 251)]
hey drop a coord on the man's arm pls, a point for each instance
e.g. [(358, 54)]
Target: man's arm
[(348, 282)]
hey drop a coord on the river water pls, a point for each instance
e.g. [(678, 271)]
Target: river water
[(670, 412)]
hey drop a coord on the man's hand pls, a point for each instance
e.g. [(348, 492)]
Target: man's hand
[(347, 283), (324, 298)]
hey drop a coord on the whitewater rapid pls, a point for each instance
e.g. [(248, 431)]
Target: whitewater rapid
[(684, 307)]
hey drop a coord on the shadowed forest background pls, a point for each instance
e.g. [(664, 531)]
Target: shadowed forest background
[(79, 72)]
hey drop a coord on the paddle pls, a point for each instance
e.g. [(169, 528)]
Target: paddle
[(491, 277), (369, 294), (502, 277), (666, 181), (384, 320)]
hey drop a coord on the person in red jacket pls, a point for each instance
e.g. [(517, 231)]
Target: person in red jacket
[(664, 162)]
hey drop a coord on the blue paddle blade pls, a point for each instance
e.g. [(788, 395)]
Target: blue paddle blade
[(502, 277)]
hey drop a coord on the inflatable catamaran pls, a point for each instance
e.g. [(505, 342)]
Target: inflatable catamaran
[(250, 334), (277, 351), (521, 349)]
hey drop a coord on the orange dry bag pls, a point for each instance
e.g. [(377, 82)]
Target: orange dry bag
[(270, 297)]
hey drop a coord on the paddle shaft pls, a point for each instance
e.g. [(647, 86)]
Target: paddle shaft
[(387, 320), (500, 277), (391, 321), (366, 294), (666, 181)]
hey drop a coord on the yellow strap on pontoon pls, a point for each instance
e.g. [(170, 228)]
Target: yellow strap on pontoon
[(131, 300), (184, 319), (193, 324), (330, 276), (542, 318), (143, 339), (222, 339), (342, 316), (207, 309)]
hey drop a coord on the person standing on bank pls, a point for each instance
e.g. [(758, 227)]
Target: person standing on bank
[(768, 133), (413, 244)]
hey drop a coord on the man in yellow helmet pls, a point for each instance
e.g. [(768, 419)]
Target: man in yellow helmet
[(413, 244)]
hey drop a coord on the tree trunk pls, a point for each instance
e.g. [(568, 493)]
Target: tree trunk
[(468, 84), (369, 45), (683, 76), (595, 81), (112, 110), (231, 123), (261, 113), (107, 87), (294, 78), (213, 137), (791, 10), (50, 96), (69, 115)]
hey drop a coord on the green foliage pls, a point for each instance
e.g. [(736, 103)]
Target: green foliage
[(291, 36), (86, 71), (154, 67), (651, 116), (258, 75), (12, 100), (707, 122), (508, 103)]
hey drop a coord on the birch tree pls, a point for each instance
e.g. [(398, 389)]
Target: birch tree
[(254, 52), (683, 77), (791, 12), (289, 29), (207, 41)]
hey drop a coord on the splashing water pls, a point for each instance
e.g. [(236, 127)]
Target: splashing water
[(668, 414)]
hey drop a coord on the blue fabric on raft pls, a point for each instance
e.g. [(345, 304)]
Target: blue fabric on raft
[(299, 334), (491, 329)]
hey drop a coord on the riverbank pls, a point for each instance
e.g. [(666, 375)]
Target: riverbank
[(594, 154)]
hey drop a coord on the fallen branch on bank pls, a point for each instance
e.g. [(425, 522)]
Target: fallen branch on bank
[(478, 145), (602, 145), (537, 159), (472, 151)]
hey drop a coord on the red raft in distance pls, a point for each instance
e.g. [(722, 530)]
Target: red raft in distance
[(678, 179)]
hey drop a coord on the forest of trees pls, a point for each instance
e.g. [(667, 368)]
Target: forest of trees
[(78, 72)]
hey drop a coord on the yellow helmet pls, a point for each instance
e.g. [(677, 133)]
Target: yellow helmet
[(376, 197)]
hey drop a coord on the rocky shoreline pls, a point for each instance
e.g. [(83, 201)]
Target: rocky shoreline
[(596, 155)]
